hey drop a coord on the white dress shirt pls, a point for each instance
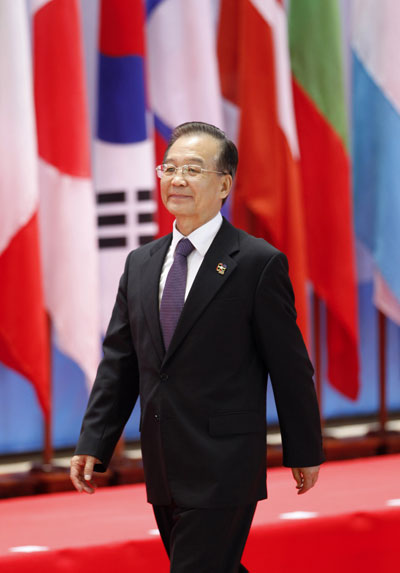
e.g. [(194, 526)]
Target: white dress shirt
[(201, 238)]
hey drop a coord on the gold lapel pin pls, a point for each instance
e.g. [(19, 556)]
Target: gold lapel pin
[(221, 268)]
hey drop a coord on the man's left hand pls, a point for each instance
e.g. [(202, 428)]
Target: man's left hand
[(306, 478)]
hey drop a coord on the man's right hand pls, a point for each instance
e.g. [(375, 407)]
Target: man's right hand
[(82, 473)]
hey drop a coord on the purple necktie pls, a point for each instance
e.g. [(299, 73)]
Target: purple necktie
[(173, 297)]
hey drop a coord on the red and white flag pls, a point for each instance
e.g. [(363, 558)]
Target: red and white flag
[(67, 209), (24, 341)]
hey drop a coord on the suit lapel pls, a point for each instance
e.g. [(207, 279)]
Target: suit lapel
[(149, 284), (207, 283)]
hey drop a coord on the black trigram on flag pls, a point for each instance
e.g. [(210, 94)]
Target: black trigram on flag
[(125, 219)]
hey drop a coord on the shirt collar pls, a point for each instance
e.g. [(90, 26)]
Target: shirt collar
[(202, 237)]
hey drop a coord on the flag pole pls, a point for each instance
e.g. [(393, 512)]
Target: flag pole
[(381, 435), (389, 440), (48, 446), (317, 348), (48, 477), (383, 415), (47, 438)]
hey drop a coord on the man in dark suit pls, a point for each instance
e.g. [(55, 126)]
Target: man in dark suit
[(201, 318)]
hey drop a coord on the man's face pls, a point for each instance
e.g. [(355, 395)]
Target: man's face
[(194, 201)]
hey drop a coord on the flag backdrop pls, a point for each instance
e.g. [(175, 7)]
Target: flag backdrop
[(255, 76), (315, 47), (376, 143), (123, 152), (24, 340), (183, 72), (67, 214), (182, 84)]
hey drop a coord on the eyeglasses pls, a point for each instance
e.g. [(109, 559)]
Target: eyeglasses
[(167, 170)]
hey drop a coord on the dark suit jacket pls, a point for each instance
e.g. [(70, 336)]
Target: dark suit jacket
[(203, 401)]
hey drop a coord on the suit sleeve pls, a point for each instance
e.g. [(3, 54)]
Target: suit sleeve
[(116, 387), (291, 372)]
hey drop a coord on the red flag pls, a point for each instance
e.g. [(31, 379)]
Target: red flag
[(24, 342), (255, 76)]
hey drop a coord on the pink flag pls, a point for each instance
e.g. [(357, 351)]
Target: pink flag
[(182, 71)]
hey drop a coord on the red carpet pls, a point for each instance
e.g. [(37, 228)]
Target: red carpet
[(351, 522)]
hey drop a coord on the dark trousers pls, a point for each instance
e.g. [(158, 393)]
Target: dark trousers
[(204, 540)]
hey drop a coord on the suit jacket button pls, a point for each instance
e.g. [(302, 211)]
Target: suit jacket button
[(163, 377), (156, 417)]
